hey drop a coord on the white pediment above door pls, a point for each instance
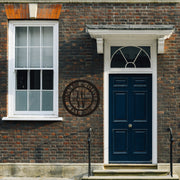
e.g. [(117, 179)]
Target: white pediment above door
[(146, 32)]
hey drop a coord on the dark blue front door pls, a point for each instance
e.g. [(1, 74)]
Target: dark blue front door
[(130, 118)]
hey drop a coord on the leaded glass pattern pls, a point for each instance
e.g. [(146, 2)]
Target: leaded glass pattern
[(130, 57)]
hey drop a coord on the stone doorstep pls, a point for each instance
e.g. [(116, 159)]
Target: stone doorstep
[(175, 177), (95, 178), (130, 166), (131, 172), (32, 178)]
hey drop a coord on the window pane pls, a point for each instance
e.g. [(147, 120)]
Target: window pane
[(143, 60), (21, 57), (118, 60), (47, 36), (130, 57), (21, 79), (34, 100), (35, 79), (147, 50), (47, 100), (34, 69), (34, 36), (21, 36), (21, 100), (34, 57), (130, 65), (47, 57), (130, 53), (47, 79), (114, 49)]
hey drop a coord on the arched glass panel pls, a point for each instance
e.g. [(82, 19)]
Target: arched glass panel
[(118, 60), (130, 53), (142, 60), (130, 57)]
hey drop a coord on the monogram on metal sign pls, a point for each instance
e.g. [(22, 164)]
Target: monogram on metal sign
[(81, 98)]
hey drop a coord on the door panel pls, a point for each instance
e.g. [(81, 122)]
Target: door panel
[(140, 106), (130, 118), (140, 141), (122, 136), (120, 100)]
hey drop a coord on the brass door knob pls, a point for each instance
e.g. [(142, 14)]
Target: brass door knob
[(130, 125)]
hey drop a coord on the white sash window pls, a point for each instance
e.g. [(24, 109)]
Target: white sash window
[(33, 70)]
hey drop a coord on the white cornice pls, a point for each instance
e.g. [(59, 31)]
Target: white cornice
[(109, 32), (106, 34), (89, 1)]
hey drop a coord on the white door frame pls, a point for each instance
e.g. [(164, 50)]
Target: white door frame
[(129, 41)]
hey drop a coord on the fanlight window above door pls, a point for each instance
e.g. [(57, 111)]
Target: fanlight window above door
[(130, 57)]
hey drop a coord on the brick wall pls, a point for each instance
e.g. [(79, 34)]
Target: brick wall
[(66, 141)]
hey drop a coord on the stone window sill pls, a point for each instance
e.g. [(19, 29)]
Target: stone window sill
[(32, 118)]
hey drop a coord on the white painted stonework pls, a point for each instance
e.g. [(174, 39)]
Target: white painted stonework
[(157, 32), (100, 48), (33, 11)]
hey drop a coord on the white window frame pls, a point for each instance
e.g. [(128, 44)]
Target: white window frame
[(40, 115)]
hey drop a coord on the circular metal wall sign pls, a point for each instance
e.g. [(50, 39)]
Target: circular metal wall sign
[(81, 98)]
